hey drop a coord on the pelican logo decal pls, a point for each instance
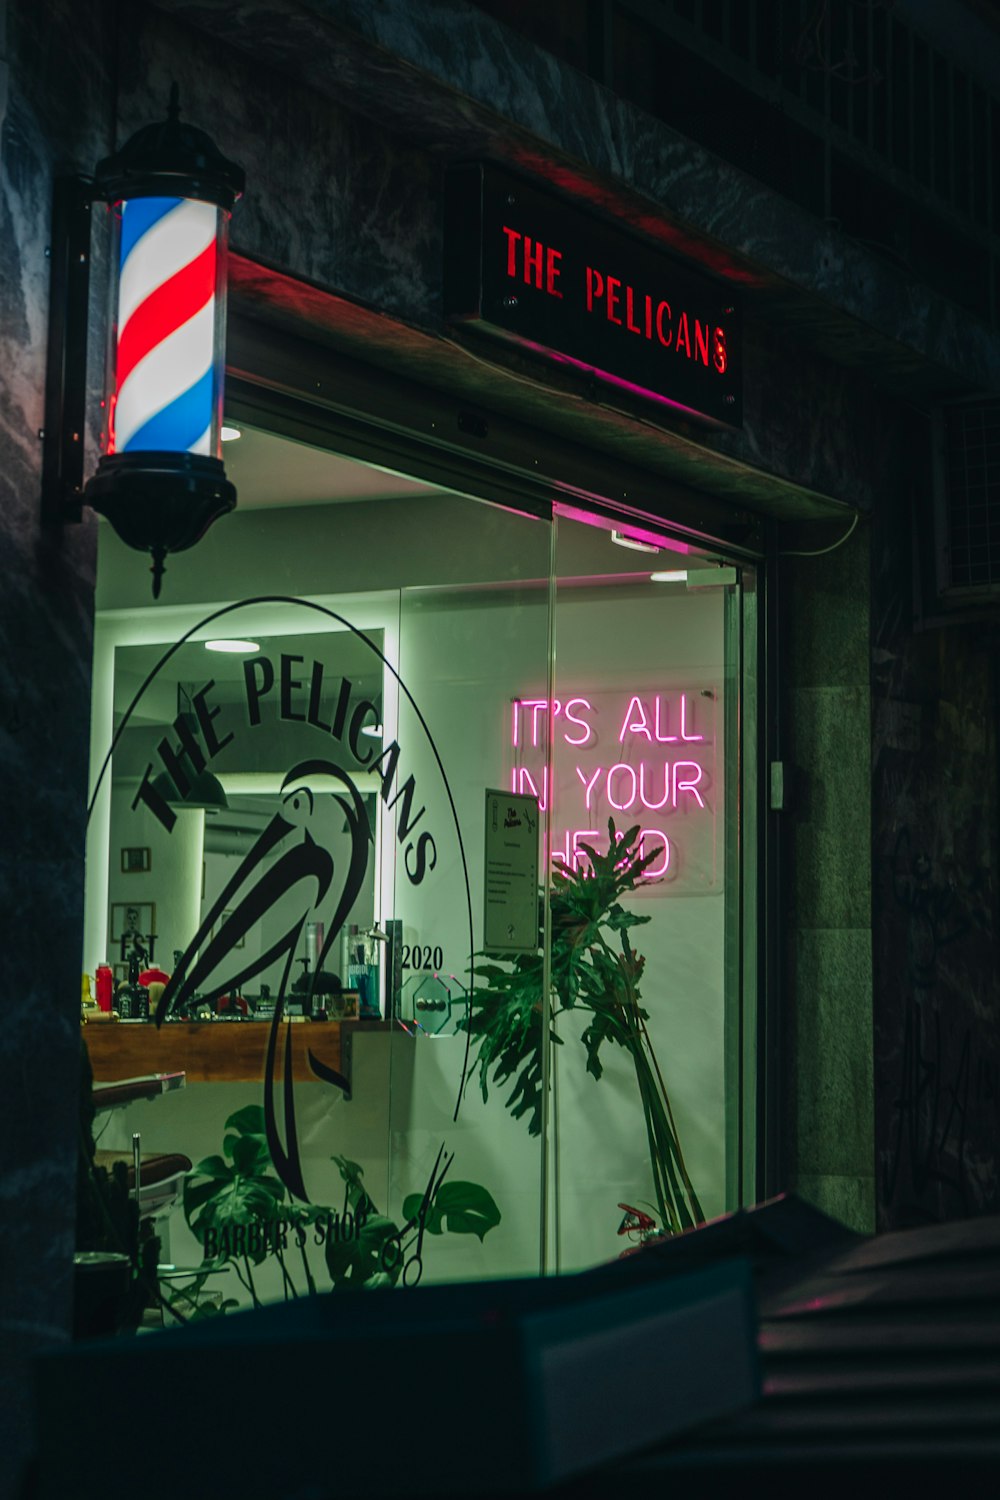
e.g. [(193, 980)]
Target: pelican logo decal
[(297, 865), (292, 874)]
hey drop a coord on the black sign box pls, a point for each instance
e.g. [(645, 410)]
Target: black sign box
[(498, 1388), (526, 265)]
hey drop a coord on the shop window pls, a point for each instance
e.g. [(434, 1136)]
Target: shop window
[(380, 1094)]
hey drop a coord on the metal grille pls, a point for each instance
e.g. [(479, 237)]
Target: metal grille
[(972, 474), (881, 103), (840, 105)]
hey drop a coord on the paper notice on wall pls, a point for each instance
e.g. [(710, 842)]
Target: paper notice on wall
[(511, 873)]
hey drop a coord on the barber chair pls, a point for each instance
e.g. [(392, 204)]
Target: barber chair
[(154, 1178)]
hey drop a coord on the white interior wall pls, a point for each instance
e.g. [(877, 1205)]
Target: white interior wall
[(172, 883), (657, 641)]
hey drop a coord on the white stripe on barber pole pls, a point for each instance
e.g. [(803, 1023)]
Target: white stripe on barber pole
[(203, 444), (172, 242), (169, 370)]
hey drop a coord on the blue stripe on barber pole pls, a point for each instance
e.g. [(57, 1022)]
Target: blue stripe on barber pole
[(178, 427), (138, 215)]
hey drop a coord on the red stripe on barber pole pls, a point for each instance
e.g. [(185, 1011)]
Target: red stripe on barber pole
[(166, 308)]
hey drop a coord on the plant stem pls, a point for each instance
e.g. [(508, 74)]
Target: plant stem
[(666, 1215), (289, 1283), (249, 1283), (656, 1101), (310, 1283), (674, 1137)]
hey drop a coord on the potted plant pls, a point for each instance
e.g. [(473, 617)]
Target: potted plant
[(594, 968), (242, 1214)]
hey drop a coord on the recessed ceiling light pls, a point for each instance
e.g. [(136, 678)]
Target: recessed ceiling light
[(230, 434), (634, 545), (235, 648), (375, 730), (677, 576)]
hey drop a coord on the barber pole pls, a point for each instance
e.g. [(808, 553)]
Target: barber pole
[(168, 380), (161, 481)]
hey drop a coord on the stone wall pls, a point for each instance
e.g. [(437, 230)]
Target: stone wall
[(826, 922), (55, 114), (936, 844)]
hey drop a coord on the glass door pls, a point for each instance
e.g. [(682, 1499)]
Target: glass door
[(644, 884), (467, 646)]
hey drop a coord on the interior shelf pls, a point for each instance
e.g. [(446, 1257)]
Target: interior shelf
[(217, 1051)]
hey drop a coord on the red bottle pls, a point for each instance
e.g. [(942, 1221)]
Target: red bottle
[(104, 987)]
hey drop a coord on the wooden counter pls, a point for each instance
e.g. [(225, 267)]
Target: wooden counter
[(216, 1051)]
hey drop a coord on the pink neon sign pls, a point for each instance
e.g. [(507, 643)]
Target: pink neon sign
[(637, 722), (570, 852), (528, 720), (678, 779), (637, 775), (528, 712)]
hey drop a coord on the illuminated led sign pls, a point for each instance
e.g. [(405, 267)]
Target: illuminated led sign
[(641, 757), (525, 265)]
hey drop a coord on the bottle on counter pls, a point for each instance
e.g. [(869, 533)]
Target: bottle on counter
[(133, 998), (105, 987), (233, 1004)]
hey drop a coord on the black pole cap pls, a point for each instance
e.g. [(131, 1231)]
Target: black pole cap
[(160, 502), (170, 159)]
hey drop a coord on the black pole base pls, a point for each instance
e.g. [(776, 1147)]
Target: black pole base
[(160, 502)]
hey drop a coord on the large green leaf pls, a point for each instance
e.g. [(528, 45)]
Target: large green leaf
[(220, 1197), (459, 1207), (358, 1261), (214, 1168), (356, 1193), (249, 1154), (247, 1121), (593, 968), (619, 918)]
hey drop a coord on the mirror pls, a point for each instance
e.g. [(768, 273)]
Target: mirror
[(225, 791)]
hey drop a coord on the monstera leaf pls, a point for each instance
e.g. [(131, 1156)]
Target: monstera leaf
[(219, 1196), (239, 1190), (594, 969), (459, 1207), (355, 1193), (359, 1261), (370, 1259), (222, 1195)]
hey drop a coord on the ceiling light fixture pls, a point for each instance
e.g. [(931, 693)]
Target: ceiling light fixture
[(374, 730), (230, 434), (678, 575), (274, 783), (234, 648)]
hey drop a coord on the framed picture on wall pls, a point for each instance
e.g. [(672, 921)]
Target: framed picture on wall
[(132, 918), (136, 861)]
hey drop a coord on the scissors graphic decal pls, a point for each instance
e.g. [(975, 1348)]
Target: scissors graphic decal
[(394, 1250)]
